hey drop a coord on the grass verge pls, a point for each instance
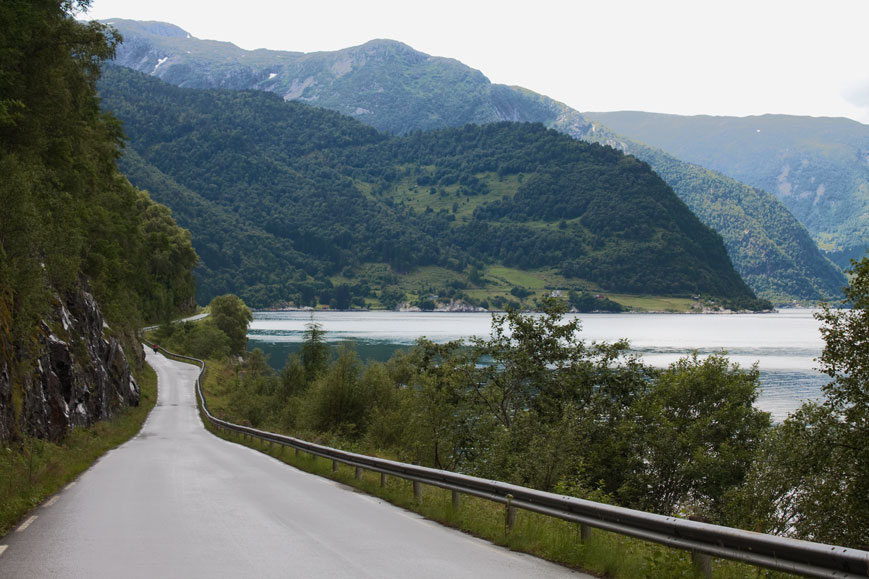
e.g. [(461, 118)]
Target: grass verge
[(32, 470)]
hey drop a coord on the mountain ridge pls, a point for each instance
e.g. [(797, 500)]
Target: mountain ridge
[(397, 97), (307, 195)]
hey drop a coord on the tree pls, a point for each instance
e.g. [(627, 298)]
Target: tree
[(335, 402), (315, 351), (696, 432), (845, 359), (811, 479), (846, 352), (232, 317)]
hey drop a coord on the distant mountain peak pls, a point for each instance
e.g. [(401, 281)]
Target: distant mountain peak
[(151, 27), (380, 43)]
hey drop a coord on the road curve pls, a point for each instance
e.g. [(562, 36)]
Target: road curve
[(176, 501)]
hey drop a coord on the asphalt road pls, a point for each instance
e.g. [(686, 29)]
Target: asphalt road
[(176, 501)]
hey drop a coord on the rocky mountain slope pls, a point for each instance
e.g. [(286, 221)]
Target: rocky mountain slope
[(79, 375)]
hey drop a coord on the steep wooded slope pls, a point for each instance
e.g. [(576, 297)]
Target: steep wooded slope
[(817, 167), (325, 194)]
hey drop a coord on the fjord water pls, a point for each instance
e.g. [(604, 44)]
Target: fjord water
[(784, 344)]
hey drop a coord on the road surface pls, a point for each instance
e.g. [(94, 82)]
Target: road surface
[(176, 501)]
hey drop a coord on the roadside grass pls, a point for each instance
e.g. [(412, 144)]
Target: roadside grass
[(32, 470), (605, 554)]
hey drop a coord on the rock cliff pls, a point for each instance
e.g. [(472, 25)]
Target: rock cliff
[(72, 373)]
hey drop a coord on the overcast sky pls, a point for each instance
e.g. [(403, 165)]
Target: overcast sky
[(733, 57)]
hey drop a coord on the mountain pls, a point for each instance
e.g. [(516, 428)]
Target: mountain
[(395, 89), (772, 251), (383, 83), (818, 167), (283, 199)]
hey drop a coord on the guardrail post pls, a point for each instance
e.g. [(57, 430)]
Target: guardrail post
[(510, 517), (358, 473), (334, 466), (457, 500), (585, 532), (417, 491), (297, 451), (383, 479), (702, 563)]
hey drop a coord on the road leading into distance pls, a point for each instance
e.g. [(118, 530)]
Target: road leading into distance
[(176, 501)]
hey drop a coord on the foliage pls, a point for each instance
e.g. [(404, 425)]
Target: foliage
[(697, 433), (314, 353), (293, 196), (201, 340), (811, 479), (586, 302), (68, 213), (232, 317), (221, 334)]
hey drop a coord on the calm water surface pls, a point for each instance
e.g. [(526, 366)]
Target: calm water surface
[(784, 344)]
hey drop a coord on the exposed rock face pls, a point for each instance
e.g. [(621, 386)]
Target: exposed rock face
[(78, 376)]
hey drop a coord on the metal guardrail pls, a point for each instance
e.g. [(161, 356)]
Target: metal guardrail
[(769, 551)]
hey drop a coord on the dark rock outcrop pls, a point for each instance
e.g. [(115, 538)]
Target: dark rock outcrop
[(78, 375)]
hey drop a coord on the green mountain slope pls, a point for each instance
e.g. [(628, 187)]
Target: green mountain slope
[(772, 251), (282, 197), (818, 167), (395, 89)]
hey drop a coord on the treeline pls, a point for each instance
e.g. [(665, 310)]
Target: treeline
[(537, 406), (282, 198), (69, 217)]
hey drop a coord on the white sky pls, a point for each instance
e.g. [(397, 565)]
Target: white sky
[(733, 57)]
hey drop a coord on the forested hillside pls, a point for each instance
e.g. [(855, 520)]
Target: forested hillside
[(283, 199), (77, 241), (772, 251), (817, 167), (396, 89)]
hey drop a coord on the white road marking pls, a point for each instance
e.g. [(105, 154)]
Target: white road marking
[(69, 486), (26, 524), (51, 501), (3, 548)]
